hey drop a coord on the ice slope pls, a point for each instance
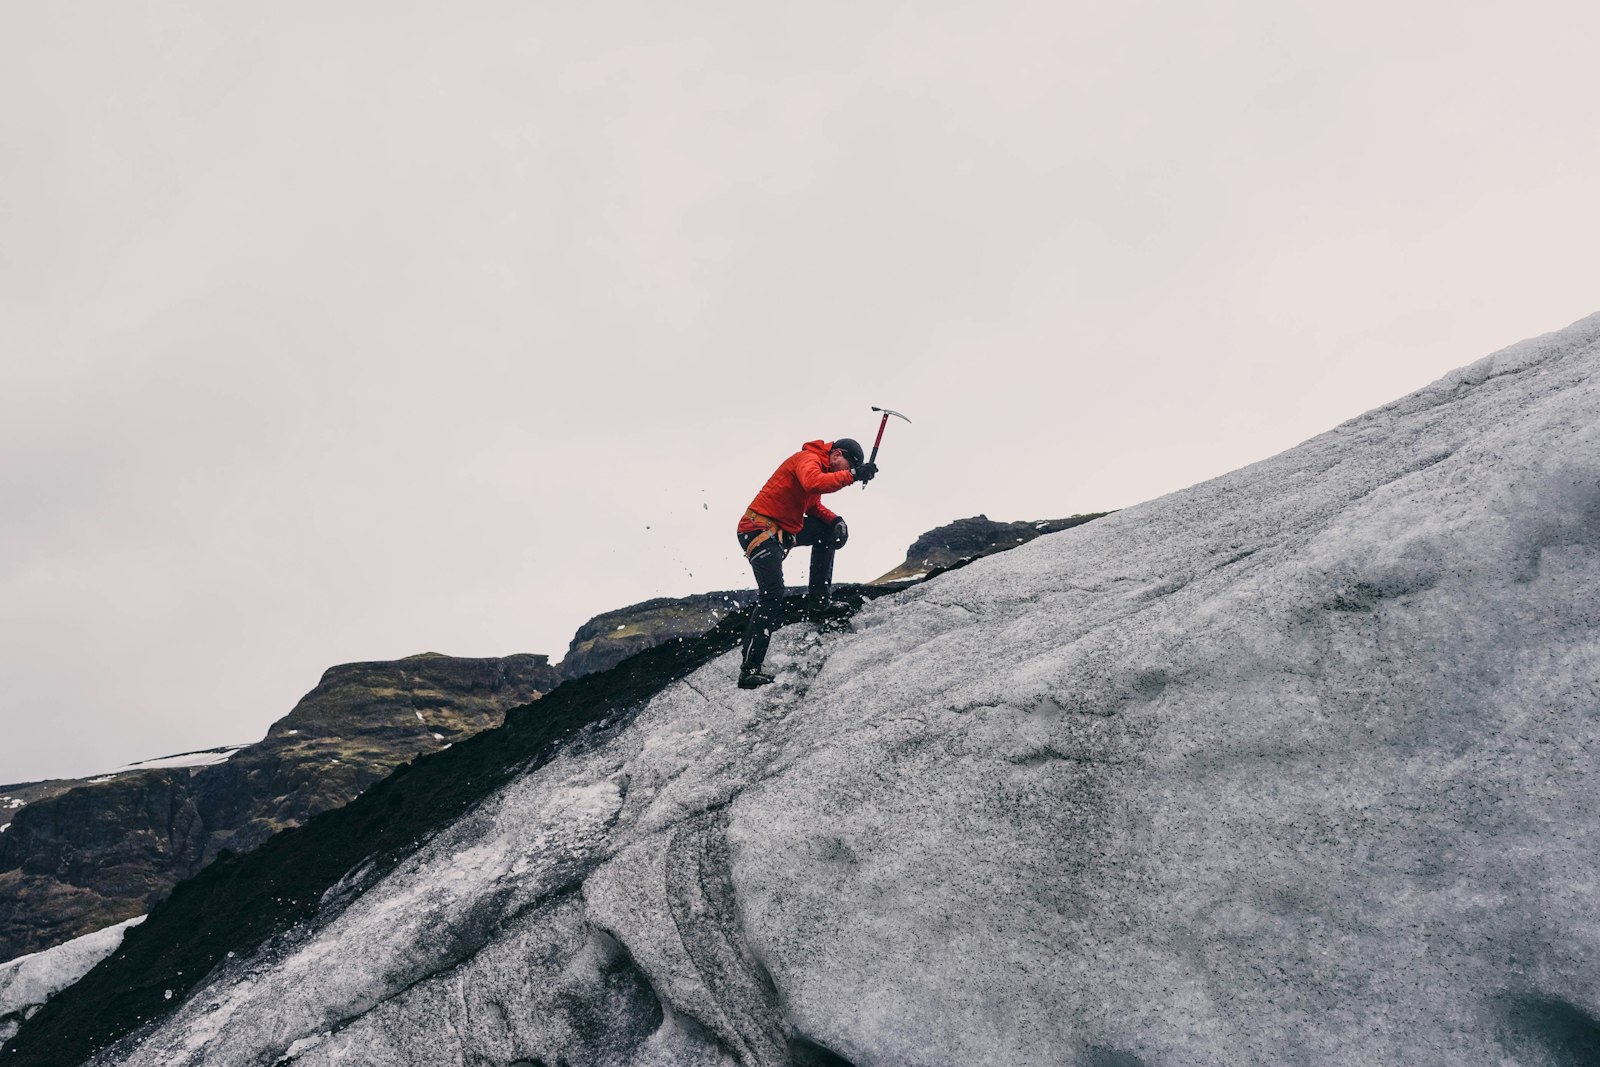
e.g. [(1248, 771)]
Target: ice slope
[(28, 981), (1295, 766)]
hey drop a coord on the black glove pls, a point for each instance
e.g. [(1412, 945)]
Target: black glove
[(839, 534), (865, 472)]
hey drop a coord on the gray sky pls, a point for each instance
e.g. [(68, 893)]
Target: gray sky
[(347, 331)]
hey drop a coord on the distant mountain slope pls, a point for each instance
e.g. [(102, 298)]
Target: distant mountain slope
[(1295, 766), (81, 856)]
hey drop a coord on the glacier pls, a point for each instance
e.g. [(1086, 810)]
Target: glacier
[(1295, 766)]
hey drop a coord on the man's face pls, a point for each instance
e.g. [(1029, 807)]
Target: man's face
[(838, 461)]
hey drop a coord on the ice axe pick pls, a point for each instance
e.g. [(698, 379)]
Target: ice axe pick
[(881, 426)]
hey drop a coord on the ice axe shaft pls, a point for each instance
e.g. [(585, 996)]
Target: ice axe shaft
[(882, 425)]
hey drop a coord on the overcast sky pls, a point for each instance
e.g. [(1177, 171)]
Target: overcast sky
[(339, 331)]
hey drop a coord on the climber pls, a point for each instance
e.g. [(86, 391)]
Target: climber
[(787, 512)]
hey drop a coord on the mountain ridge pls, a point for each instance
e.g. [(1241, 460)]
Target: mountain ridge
[(81, 856)]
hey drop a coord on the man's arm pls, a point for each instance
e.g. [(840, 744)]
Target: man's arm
[(816, 478)]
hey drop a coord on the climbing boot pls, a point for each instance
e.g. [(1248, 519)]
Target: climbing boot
[(829, 616)]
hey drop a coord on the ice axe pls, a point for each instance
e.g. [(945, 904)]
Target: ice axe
[(881, 426)]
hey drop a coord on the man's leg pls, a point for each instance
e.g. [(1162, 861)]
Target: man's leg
[(818, 535), (767, 563), (821, 572)]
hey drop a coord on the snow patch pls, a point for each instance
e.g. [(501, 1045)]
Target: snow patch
[(206, 758), (28, 981)]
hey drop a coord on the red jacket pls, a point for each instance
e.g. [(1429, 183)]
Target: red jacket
[(795, 489)]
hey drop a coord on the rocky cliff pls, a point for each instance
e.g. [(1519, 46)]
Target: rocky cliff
[(608, 639), (81, 856)]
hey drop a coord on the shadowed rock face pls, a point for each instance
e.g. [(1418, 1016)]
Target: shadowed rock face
[(606, 640), (968, 539), (93, 856), (81, 856), (361, 721)]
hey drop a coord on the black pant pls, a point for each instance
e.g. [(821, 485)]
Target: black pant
[(767, 562)]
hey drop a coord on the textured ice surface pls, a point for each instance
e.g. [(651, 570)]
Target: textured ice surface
[(1295, 766), (28, 981)]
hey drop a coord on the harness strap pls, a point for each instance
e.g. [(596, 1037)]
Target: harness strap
[(769, 530)]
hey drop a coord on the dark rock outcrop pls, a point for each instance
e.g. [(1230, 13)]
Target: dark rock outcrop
[(78, 857), (608, 639), (967, 539)]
